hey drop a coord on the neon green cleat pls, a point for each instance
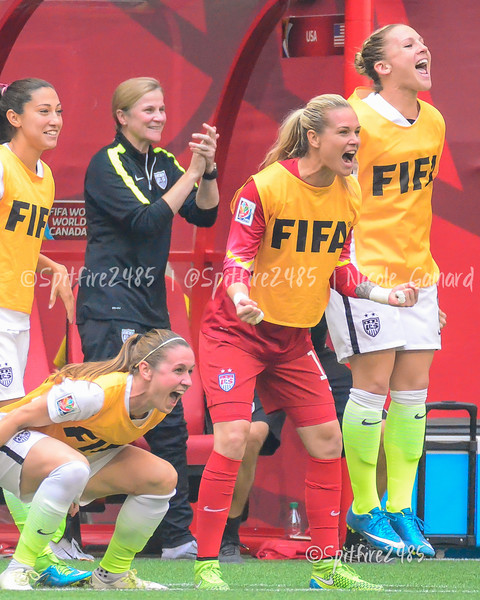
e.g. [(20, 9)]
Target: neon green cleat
[(331, 574), (208, 575)]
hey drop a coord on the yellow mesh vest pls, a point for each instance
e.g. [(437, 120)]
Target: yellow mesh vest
[(306, 227), (397, 166), (24, 210)]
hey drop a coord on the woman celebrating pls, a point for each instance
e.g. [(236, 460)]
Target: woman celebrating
[(30, 123), (292, 221), (84, 417), (390, 349), (132, 193)]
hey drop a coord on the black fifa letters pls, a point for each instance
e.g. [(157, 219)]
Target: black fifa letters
[(414, 175), (321, 233), (37, 218)]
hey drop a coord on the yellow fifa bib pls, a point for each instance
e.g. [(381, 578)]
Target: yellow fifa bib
[(305, 229), (397, 166), (24, 209)]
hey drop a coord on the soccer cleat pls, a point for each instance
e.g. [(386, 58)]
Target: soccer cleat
[(69, 550), (122, 581), (331, 574), (208, 575), (376, 529), (61, 575), (18, 579), (185, 551), (409, 527), (230, 552)]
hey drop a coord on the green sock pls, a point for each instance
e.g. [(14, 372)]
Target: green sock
[(43, 516), (19, 511), (137, 520), (362, 428), (403, 441)]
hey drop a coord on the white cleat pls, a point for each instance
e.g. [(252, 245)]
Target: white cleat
[(18, 579), (126, 581)]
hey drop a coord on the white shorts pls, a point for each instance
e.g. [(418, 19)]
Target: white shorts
[(358, 326), (12, 455), (13, 360), (14, 452)]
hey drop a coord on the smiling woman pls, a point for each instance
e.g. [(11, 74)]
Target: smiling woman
[(133, 190), (30, 123), (85, 417)]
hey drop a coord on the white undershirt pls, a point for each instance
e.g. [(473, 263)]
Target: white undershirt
[(384, 108)]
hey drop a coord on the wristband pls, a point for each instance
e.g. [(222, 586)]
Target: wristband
[(239, 296), (379, 294)]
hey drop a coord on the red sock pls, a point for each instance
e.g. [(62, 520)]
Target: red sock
[(323, 485), (214, 500)]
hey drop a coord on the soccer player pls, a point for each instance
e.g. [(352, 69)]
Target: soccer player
[(67, 442), (30, 123), (291, 226), (390, 349)]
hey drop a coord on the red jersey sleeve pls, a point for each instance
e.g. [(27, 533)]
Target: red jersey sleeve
[(346, 276), (246, 231)]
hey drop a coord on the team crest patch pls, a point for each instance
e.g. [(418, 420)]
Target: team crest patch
[(22, 436), (161, 179), (226, 380), (245, 211), (126, 333), (6, 376), (371, 324), (67, 406)]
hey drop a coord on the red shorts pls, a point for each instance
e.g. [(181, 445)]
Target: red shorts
[(230, 375)]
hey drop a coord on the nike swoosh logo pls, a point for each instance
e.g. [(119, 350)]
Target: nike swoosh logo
[(365, 422), (44, 533), (398, 545), (138, 178), (335, 513), (325, 581), (420, 416), (206, 509)]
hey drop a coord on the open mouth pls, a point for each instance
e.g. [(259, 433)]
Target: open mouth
[(348, 157), (422, 66)]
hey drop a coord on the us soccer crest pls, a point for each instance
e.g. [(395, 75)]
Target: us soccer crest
[(126, 333), (22, 436), (161, 179), (6, 376), (371, 324), (226, 380)]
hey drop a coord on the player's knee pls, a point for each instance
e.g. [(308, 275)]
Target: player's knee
[(168, 480), (257, 436), (73, 475), (231, 441), (159, 481)]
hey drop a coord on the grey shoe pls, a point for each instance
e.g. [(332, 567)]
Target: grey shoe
[(69, 550), (186, 551), (230, 553)]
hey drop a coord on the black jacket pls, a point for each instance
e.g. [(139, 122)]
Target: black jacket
[(128, 233)]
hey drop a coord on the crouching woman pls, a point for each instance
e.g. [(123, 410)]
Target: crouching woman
[(67, 443)]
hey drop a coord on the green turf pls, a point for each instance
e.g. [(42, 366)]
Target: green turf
[(443, 579)]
